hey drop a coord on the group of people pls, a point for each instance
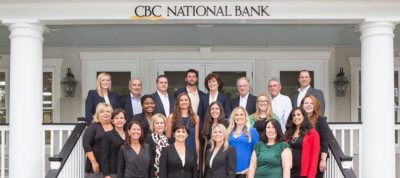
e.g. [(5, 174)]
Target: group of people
[(195, 134)]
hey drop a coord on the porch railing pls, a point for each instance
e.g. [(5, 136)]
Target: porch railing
[(54, 135)]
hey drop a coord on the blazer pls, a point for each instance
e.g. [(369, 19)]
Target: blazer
[(311, 91), (145, 123), (223, 164), (159, 106), (93, 98), (110, 146), (171, 164), (126, 104), (310, 154), (204, 103), (324, 132), (250, 105)]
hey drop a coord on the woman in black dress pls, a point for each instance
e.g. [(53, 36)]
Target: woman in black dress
[(312, 106), (157, 140), (304, 141), (111, 144), (134, 158), (178, 160), (92, 139)]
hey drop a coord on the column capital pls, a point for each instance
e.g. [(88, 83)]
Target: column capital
[(26, 28), (384, 28)]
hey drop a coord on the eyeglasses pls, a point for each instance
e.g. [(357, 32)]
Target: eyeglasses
[(263, 101)]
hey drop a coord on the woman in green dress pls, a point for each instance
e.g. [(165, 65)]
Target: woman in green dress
[(271, 157)]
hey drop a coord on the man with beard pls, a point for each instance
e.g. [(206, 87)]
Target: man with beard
[(191, 79)]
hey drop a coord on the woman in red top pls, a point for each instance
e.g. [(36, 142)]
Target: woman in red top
[(305, 144)]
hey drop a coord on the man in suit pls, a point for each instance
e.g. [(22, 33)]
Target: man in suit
[(164, 103), (281, 104), (245, 99), (131, 102), (191, 79), (305, 89)]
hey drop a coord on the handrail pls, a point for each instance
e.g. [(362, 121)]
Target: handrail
[(66, 150)]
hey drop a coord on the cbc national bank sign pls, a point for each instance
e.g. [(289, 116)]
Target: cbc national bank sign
[(200, 10)]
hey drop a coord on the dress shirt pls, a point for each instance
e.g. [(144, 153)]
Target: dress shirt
[(194, 99), (243, 100), (282, 106), (302, 94), (136, 104), (165, 102)]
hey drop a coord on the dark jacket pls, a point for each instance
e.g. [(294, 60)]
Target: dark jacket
[(93, 98), (159, 106), (223, 165), (250, 106), (171, 164), (311, 91), (204, 103)]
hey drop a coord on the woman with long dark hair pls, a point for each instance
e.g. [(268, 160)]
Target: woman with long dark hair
[(134, 158), (271, 157), (304, 141), (183, 114)]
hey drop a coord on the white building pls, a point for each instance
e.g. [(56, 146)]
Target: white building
[(46, 37)]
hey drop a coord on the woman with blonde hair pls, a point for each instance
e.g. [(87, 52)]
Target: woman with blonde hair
[(262, 114), (157, 140), (242, 137), (101, 94), (220, 158), (92, 139)]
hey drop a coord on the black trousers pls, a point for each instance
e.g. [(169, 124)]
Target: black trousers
[(241, 175)]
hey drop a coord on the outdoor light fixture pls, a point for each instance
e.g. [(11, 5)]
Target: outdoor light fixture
[(341, 83), (69, 84)]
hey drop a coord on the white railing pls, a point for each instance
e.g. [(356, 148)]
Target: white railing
[(75, 165), (349, 138), (54, 135), (333, 169)]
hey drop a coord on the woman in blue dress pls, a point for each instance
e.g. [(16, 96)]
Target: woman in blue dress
[(242, 137), (183, 114)]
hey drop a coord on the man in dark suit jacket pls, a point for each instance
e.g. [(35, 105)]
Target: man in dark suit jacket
[(245, 99), (164, 103), (191, 79), (305, 89), (131, 102)]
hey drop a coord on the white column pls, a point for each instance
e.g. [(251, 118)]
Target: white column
[(26, 71), (377, 100)]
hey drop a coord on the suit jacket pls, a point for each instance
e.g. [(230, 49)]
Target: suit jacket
[(145, 123), (93, 98), (223, 164), (250, 105), (126, 104), (159, 106), (204, 103), (311, 91), (110, 146), (171, 164)]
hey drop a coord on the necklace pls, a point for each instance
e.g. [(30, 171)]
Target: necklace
[(294, 139)]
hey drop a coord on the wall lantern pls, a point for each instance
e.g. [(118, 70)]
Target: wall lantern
[(69, 84), (341, 83)]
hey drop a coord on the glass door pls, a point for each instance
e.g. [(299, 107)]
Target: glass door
[(229, 72)]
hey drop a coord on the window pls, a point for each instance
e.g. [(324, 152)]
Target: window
[(51, 88)]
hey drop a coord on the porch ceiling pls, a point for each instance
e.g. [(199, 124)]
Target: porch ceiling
[(199, 35)]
